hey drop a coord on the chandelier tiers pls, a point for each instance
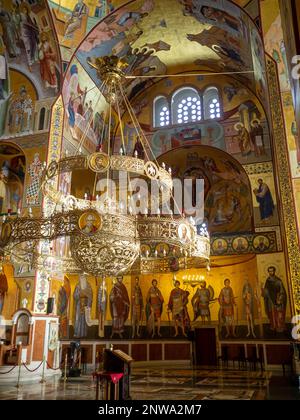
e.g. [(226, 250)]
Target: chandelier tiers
[(106, 238)]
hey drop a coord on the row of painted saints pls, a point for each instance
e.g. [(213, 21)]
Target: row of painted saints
[(273, 292)]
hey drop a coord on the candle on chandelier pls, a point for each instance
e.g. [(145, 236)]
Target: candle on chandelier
[(136, 155)]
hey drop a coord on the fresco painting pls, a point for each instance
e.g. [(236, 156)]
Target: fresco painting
[(29, 43), (73, 19), (84, 109)]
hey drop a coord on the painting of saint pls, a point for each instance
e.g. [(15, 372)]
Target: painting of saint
[(154, 308), (137, 308), (226, 311), (201, 301), (243, 139), (184, 233), (257, 138), (75, 20), (119, 307), (265, 201), (220, 246), (162, 250), (214, 15), (83, 297), (90, 222), (35, 171), (101, 305), (248, 300), (74, 97), (20, 112), (275, 299), (178, 307), (29, 34), (240, 245), (261, 244), (9, 32), (47, 58), (63, 308)]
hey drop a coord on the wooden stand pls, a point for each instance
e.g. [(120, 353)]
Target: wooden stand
[(115, 379)]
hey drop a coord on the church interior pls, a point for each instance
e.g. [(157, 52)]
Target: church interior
[(150, 199)]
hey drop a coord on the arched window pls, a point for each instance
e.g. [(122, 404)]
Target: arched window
[(186, 106), (211, 103), (42, 119), (161, 112)]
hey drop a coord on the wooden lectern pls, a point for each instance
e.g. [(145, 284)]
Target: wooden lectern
[(117, 362)]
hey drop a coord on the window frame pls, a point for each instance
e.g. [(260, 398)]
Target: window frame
[(155, 112), (170, 101)]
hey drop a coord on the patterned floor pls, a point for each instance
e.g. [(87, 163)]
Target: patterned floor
[(155, 384)]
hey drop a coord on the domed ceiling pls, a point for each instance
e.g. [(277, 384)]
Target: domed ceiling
[(146, 34)]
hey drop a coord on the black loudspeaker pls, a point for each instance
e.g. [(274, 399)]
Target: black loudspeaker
[(50, 305)]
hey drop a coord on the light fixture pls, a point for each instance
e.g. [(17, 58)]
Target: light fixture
[(107, 237)]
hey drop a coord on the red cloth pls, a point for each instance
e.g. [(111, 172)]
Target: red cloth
[(114, 377)]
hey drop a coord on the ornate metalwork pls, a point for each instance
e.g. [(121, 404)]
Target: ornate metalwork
[(110, 243), (99, 162), (109, 68), (104, 254), (104, 239)]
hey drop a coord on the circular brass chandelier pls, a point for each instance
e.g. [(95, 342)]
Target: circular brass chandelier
[(107, 236)]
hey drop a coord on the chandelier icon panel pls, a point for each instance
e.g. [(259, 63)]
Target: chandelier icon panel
[(121, 229)]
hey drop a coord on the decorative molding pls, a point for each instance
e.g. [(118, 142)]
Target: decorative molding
[(259, 168), (285, 184), (260, 243)]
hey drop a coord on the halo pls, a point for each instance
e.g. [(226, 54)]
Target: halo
[(253, 121), (44, 33), (278, 270), (237, 125)]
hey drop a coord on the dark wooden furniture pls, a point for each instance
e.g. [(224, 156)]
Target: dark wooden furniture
[(205, 347), (117, 362)]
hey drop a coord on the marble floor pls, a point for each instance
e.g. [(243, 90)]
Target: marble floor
[(166, 384)]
